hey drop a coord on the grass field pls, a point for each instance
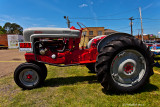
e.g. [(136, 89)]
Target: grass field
[(74, 86)]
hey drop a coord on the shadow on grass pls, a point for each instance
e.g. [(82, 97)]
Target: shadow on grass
[(91, 72), (146, 88), (55, 82)]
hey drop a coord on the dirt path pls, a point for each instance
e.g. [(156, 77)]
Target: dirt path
[(9, 60)]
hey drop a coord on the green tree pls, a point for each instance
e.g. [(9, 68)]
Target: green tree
[(7, 27), (13, 28), (2, 30)]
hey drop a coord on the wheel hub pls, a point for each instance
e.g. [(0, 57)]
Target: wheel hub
[(128, 69), (29, 76)]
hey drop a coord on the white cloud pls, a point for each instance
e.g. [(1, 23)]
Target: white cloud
[(51, 25), (26, 18), (25, 21), (35, 24), (83, 5), (91, 7), (3, 20), (148, 6), (6, 18)]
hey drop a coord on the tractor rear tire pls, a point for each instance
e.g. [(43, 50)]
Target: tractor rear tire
[(28, 76), (124, 65), (91, 67)]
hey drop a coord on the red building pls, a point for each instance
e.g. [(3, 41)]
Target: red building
[(3, 40)]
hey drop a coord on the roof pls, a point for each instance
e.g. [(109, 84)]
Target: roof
[(109, 30)]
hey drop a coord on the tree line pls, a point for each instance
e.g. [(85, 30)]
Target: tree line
[(11, 28)]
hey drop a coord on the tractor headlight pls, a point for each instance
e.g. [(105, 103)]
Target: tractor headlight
[(53, 56)]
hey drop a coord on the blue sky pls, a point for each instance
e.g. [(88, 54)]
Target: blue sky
[(111, 14)]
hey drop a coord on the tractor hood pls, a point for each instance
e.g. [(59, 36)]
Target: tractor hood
[(49, 32)]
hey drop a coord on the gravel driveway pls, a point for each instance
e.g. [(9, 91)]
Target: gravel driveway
[(9, 60)]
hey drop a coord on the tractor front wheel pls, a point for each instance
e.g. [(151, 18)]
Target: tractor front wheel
[(28, 76)]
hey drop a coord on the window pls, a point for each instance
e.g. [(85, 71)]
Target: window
[(99, 32), (90, 32)]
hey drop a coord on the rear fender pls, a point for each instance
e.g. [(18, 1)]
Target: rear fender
[(109, 38), (97, 37)]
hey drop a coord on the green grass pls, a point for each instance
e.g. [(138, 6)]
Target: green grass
[(74, 86)]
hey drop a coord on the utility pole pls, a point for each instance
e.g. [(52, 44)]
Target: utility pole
[(141, 23), (68, 21), (131, 25), (138, 31)]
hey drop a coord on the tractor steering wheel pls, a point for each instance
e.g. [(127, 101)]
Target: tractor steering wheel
[(79, 24)]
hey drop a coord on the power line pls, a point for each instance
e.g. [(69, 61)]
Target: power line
[(93, 18), (105, 18), (148, 19), (112, 18), (100, 19), (151, 19)]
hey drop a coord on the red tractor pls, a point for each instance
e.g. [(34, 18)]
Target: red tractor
[(122, 62)]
